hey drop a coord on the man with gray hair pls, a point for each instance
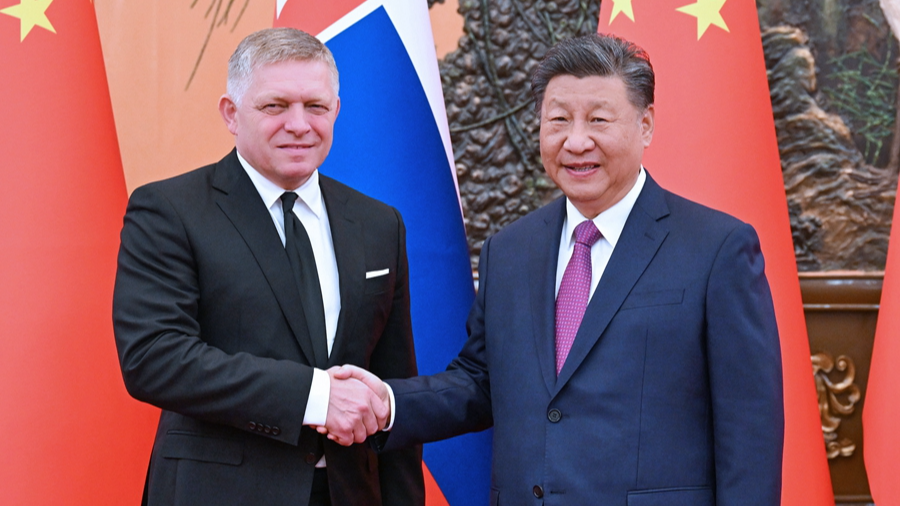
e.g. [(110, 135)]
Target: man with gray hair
[(623, 342), (242, 284)]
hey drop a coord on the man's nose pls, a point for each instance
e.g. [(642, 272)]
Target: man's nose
[(578, 140), (296, 121)]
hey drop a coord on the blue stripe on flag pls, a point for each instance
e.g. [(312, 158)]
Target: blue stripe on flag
[(387, 145)]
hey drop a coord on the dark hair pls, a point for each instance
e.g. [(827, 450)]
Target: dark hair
[(597, 55)]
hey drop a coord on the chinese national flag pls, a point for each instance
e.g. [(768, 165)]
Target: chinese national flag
[(882, 404), (70, 433), (715, 143)]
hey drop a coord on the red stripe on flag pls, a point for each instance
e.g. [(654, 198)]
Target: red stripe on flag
[(881, 445), (715, 143), (433, 494), (313, 17)]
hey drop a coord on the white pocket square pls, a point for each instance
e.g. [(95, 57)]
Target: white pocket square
[(375, 274)]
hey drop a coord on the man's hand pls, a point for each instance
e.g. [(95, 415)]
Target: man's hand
[(370, 380), (355, 410)]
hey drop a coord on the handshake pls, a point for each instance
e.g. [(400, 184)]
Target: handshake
[(359, 405)]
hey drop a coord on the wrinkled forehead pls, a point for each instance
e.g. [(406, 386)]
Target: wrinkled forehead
[(265, 67)]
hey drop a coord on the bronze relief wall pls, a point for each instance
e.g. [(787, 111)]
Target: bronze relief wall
[(488, 93), (833, 78)]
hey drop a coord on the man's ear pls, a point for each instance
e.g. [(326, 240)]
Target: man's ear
[(228, 110), (647, 123)]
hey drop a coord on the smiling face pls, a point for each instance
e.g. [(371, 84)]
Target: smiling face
[(284, 123), (593, 139)]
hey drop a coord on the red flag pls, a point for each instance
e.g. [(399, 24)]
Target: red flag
[(312, 17), (715, 143), (882, 409), (71, 434)]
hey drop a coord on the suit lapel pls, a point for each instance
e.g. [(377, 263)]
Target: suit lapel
[(543, 259), (346, 235), (640, 240), (242, 205)]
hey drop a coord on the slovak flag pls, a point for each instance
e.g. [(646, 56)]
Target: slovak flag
[(392, 142)]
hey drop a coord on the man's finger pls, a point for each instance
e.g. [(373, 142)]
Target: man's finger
[(381, 411), (359, 373), (370, 420), (342, 435), (370, 380), (340, 372), (361, 429)]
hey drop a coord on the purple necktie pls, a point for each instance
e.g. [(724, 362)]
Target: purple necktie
[(574, 290)]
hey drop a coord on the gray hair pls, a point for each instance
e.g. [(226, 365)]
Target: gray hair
[(274, 45), (597, 55)]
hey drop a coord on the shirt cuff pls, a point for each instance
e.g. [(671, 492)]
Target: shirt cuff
[(393, 404), (317, 405)]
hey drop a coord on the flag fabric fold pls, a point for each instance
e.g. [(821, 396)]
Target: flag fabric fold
[(392, 142), (71, 433), (881, 410), (715, 143)]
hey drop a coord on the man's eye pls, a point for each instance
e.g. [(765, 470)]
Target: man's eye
[(272, 108)]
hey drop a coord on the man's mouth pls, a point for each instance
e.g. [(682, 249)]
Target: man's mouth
[(582, 167), (294, 146)]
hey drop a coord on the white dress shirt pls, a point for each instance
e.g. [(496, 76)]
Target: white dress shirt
[(610, 223), (310, 209)]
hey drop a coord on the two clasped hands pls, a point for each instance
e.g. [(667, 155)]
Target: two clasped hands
[(359, 405)]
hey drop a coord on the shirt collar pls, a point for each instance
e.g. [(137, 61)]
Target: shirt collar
[(611, 222), (309, 192)]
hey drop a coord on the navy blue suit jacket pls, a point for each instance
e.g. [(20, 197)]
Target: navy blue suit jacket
[(671, 394)]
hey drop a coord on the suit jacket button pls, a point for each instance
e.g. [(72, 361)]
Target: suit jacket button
[(276, 431), (554, 415), (538, 491), (267, 429), (311, 458), (252, 425)]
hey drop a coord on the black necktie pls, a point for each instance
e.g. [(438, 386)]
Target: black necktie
[(303, 263)]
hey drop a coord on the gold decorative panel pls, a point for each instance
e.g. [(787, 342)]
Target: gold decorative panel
[(837, 400)]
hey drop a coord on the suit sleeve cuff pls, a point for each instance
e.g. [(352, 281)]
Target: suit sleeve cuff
[(317, 405), (393, 405)]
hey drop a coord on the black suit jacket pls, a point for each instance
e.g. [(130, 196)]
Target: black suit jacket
[(210, 328)]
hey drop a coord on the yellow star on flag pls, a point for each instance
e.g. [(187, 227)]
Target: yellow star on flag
[(707, 13), (31, 13), (623, 6)]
